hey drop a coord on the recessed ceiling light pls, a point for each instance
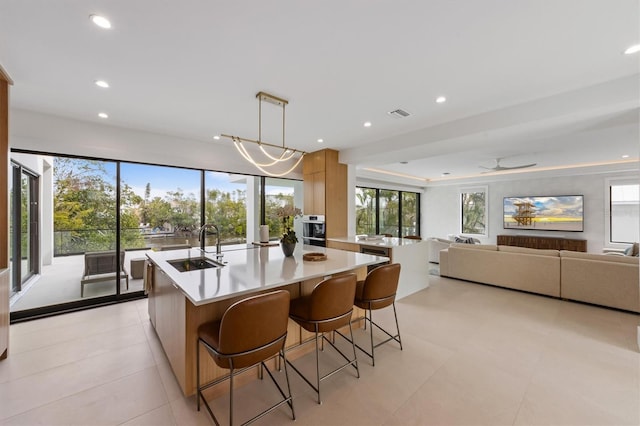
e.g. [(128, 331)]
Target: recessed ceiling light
[(367, 124), (216, 137), (404, 162), (625, 156), (102, 83), (441, 99), (632, 49), (100, 21), (103, 115), (320, 140), (446, 174)]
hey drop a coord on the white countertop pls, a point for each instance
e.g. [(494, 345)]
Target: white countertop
[(254, 269), (388, 242)]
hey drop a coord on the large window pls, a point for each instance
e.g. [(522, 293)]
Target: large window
[(383, 211), (90, 209), (473, 211), (159, 206), (624, 218), (226, 206), (366, 211), (279, 193)]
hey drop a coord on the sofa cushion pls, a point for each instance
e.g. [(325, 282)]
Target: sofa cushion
[(599, 257), (491, 247), (525, 250)]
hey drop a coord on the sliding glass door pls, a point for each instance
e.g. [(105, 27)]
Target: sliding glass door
[(24, 250)]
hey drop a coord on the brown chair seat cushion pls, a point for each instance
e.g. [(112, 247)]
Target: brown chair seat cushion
[(248, 324), (378, 290), (329, 305)]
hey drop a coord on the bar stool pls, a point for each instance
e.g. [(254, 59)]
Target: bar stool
[(378, 291), (250, 331), (327, 308)]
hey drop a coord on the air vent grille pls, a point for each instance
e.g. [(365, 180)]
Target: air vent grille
[(399, 113)]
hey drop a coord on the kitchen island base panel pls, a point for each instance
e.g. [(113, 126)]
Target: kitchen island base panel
[(177, 321)]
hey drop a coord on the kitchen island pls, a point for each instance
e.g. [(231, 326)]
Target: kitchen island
[(412, 255), (179, 302)]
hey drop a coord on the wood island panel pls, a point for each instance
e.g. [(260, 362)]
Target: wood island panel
[(538, 242)]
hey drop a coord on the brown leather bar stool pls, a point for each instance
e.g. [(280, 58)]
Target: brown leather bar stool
[(250, 331), (378, 291), (327, 308)]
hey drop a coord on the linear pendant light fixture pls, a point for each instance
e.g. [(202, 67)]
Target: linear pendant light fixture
[(283, 154)]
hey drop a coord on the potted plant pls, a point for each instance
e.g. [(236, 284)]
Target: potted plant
[(289, 239)]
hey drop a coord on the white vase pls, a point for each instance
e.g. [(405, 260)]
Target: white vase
[(264, 233)]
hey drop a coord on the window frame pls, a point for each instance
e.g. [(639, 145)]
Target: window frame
[(400, 208), (609, 182), (474, 189)]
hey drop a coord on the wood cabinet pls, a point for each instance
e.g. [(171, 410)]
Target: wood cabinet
[(537, 242), (325, 190), (5, 82), (4, 313), (169, 313)]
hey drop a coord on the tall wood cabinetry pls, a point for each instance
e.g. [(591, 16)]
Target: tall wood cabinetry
[(5, 81), (325, 190)]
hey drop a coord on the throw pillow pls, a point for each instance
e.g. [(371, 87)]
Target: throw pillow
[(628, 250), (636, 250), (464, 240)]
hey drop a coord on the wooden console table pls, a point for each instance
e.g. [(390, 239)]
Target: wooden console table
[(537, 242)]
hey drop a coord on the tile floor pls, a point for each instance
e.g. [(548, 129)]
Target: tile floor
[(472, 355)]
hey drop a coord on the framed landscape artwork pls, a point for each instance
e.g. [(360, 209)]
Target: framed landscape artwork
[(544, 213)]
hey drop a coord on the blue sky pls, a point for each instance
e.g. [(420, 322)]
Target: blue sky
[(165, 179)]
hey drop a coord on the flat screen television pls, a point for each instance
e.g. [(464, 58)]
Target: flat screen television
[(544, 213)]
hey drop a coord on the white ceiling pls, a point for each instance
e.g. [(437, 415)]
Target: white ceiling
[(532, 81)]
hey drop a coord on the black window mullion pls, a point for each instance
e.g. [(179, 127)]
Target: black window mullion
[(119, 266), (400, 232)]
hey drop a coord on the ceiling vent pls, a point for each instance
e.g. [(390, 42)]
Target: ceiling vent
[(399, 113)]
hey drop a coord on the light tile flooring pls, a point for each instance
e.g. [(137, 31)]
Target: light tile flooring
[(472, 355)]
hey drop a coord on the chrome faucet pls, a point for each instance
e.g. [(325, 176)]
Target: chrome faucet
[(202, 237)]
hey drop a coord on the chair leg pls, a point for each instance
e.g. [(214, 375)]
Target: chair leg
[(318, 366), (231, 395), (286, 375), (355, 357), (397, 327), (373, 358)]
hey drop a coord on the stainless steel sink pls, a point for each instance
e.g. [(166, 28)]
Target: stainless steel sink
[(194, 264)]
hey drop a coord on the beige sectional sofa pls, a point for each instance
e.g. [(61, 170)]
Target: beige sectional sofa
[(600, 279), (536, 271), (606, 280)]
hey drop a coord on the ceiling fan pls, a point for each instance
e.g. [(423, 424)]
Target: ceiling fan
[(499, 168)]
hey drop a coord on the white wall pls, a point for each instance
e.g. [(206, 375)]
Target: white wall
[(51, 134), (441, 206)]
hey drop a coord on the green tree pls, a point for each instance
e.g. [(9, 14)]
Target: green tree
[(159, 212), (365, 211), (473, 212), (228, 210), (85, 207)]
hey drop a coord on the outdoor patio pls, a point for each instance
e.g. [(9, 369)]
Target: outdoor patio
[(60, 282)]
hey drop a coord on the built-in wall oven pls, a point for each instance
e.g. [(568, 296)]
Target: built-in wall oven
[(313, 230)]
